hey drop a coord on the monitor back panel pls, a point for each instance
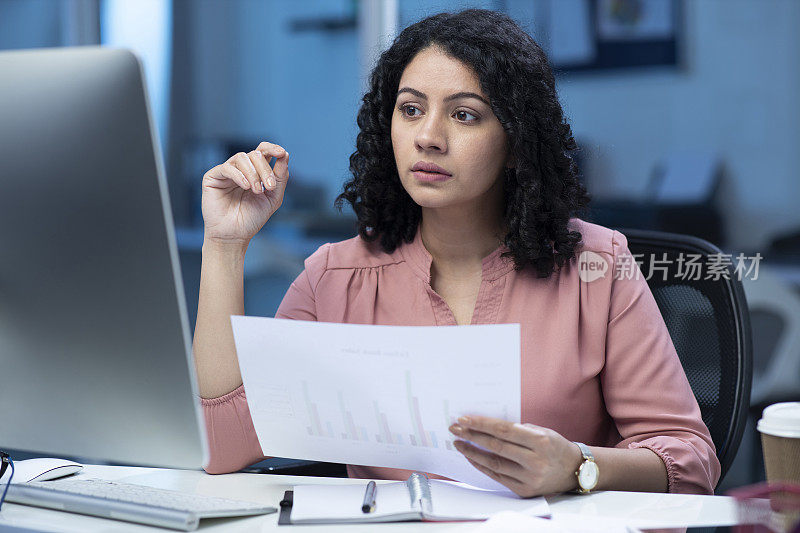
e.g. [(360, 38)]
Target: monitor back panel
[(94, 344)]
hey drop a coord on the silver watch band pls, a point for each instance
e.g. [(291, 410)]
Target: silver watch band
[(585, 451), (586, 463)]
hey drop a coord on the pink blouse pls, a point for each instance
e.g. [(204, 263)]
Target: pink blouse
[(598, 364)]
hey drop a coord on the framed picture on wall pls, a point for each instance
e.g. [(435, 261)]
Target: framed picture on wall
[(610, 34)]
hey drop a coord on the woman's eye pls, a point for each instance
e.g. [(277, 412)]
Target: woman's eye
[(404, 108), (460, 114)]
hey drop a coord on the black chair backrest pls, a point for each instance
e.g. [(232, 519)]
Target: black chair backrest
[(709, 324)]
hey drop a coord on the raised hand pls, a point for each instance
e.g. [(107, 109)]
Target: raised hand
[(242, 193)]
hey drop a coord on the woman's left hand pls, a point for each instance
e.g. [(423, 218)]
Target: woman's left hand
[(530, 460)]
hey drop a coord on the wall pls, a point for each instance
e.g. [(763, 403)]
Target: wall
[(737, 96), (252, 78), (29, 24)]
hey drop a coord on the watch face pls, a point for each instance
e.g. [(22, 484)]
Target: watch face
[(587, 475)]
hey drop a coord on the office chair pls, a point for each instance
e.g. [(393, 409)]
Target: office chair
[(709, 323)]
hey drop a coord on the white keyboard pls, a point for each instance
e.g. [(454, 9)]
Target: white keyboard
[(133, 503)]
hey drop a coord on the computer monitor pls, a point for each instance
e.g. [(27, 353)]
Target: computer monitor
[(95, 354)]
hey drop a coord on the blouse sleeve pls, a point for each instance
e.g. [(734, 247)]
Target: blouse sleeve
[(232, 440), (645, 387)]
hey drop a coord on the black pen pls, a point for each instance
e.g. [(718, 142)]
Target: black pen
[(369, 498)]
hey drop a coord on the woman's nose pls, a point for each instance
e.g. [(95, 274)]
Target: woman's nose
[(431, 134)]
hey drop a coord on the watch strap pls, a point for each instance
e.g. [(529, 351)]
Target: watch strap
[(585, 452), (587, 456)]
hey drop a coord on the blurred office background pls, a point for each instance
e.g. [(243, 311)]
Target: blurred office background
[(686, 111)]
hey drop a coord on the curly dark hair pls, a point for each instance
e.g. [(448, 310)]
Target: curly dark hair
[(542, 192)]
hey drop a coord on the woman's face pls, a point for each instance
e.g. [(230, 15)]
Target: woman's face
[(442, 116)]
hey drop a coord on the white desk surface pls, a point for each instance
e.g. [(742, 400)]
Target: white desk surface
[(640, 509)]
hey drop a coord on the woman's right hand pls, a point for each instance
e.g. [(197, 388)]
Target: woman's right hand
[(241, 194)]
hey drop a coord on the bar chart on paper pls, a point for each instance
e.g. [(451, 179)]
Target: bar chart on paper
[(378, 428), (376, 395)]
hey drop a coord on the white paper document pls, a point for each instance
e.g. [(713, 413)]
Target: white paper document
[(376, 395)]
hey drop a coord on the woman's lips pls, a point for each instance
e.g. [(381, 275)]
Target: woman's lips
[(421, 175)]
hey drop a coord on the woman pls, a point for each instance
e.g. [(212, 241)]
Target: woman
[(465, 194)]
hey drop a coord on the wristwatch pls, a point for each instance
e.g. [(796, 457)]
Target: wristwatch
[(587, 472)]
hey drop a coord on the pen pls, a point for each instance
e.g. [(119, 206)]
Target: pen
[(369, 498)]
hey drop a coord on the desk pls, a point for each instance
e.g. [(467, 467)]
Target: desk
[(643, 509)]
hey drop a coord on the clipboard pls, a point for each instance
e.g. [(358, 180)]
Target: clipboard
[(425, 500)]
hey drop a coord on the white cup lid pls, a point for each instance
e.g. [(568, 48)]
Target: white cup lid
[(781, 420)]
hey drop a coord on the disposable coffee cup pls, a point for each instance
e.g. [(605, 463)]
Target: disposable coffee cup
[(780, 436)]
